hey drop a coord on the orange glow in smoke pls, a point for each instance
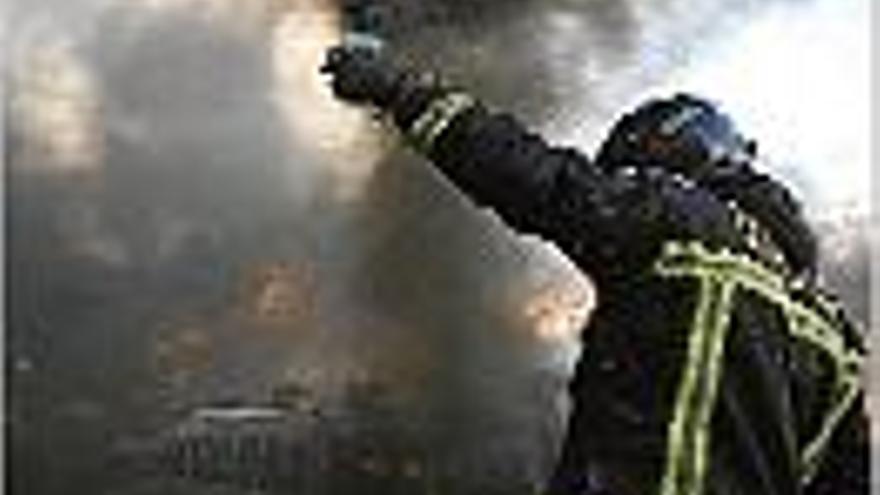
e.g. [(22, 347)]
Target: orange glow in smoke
[(341, 138), (184, 352), (558, 313), (56, 110), (278, 294)]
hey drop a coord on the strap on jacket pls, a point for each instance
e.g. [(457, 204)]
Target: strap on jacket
[(721, 274)]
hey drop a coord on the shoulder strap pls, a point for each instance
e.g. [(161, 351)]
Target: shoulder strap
[(810, 316)]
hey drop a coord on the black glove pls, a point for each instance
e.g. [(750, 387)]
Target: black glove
[(362, 75), (367, 76)]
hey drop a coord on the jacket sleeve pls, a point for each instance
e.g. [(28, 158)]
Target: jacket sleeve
[(556, 193)]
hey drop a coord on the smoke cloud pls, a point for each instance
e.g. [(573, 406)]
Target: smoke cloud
[(194, 220)]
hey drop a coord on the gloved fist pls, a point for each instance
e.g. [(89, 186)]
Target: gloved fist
[(362, 75)]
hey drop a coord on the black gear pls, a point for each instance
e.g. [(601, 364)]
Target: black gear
[(685, 133), (688, 194), (362, 75)]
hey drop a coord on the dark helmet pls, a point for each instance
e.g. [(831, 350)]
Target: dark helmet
[(684, 133), (689, 136)]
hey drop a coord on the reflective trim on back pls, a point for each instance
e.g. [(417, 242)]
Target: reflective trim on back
[(688, 432), (721, 273)]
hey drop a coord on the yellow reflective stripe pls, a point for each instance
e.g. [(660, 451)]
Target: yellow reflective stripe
[(805, 323), (691, 258), (436, 118), (688, 432), (812, 453), (758, 238), (848, 363)]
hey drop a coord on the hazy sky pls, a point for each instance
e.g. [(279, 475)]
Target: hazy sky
[(797, 79)]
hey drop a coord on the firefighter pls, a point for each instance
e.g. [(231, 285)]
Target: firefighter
[(713, 363)]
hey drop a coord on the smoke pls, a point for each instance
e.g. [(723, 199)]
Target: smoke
[(807, 113), (194, 219), (57, 105)]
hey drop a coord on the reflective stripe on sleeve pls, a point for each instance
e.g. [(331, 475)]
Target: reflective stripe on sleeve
[(423, 133)]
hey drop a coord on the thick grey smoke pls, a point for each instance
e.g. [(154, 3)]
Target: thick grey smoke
[(176, 236)]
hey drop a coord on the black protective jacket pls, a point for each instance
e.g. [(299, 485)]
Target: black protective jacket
[(706, 367)]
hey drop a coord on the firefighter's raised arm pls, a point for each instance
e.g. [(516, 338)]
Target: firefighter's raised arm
[(536, 188), (488, 155)]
